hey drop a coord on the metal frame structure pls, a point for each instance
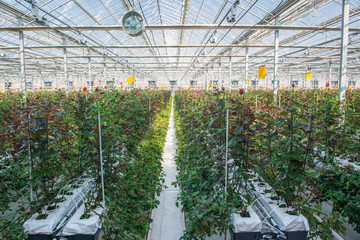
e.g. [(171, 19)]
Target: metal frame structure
[(83, 41)]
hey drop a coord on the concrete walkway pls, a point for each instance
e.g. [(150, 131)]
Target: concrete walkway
[(168, 220)]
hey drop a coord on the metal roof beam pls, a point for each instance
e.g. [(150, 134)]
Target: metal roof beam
[(176, 56), (177, 46), (180, 27), (183, 21), (327, 23)]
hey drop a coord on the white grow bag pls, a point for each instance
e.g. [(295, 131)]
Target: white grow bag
[(246, 224), (285, 221), (77, 226), (48, 226)]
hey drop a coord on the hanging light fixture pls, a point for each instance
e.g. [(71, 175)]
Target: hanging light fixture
[(231, 17), (307, 51), (81, 38), (213, 37)]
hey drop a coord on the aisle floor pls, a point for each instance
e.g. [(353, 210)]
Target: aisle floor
[(168, 220)]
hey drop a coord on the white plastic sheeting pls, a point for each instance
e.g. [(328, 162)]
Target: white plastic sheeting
[(246, 224), (88, 226), (48, 226), (285, 221)]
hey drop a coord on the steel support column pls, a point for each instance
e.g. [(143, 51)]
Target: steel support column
[(344, 49), (329, 72), (66, 73), (22, 63), (219, 73), (230, 69), (105, 73), (246, 65), (276, 57), (90, 72)]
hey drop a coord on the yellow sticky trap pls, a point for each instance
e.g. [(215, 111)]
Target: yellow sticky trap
[(308, 76), (248, 81), (330, 87), (2, 89), (10, 89), (161, 86), (84, 85), (130, 80), (349, 87), (262, 72), (209, 84), (28, 90)]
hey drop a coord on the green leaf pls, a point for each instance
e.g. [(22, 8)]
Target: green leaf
[(279, 124), (233, 142), (222, 102), (283, 113), (211, 122), (239, 129)]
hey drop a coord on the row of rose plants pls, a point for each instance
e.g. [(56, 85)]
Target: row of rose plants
[(292, 140), (200, 129), (49, 138)]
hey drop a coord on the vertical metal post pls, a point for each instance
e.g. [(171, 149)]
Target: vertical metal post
[(246, 65), (22, 61), (344, 49), (329, 75), (207, 80), (219, 74), (309, 129), (90, 73), (66, 74), (202, 85), (206, 87), (256, 103), (308, 135), (56, 81), (279, 100), (289, 86), (105, 73), (149, 112), (226, 152), (276, 57), (230, 68), (212, 82), (101, 161), (42, 81), (30, 162)]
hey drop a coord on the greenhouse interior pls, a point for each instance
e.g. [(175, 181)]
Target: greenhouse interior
[(179, 120)]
